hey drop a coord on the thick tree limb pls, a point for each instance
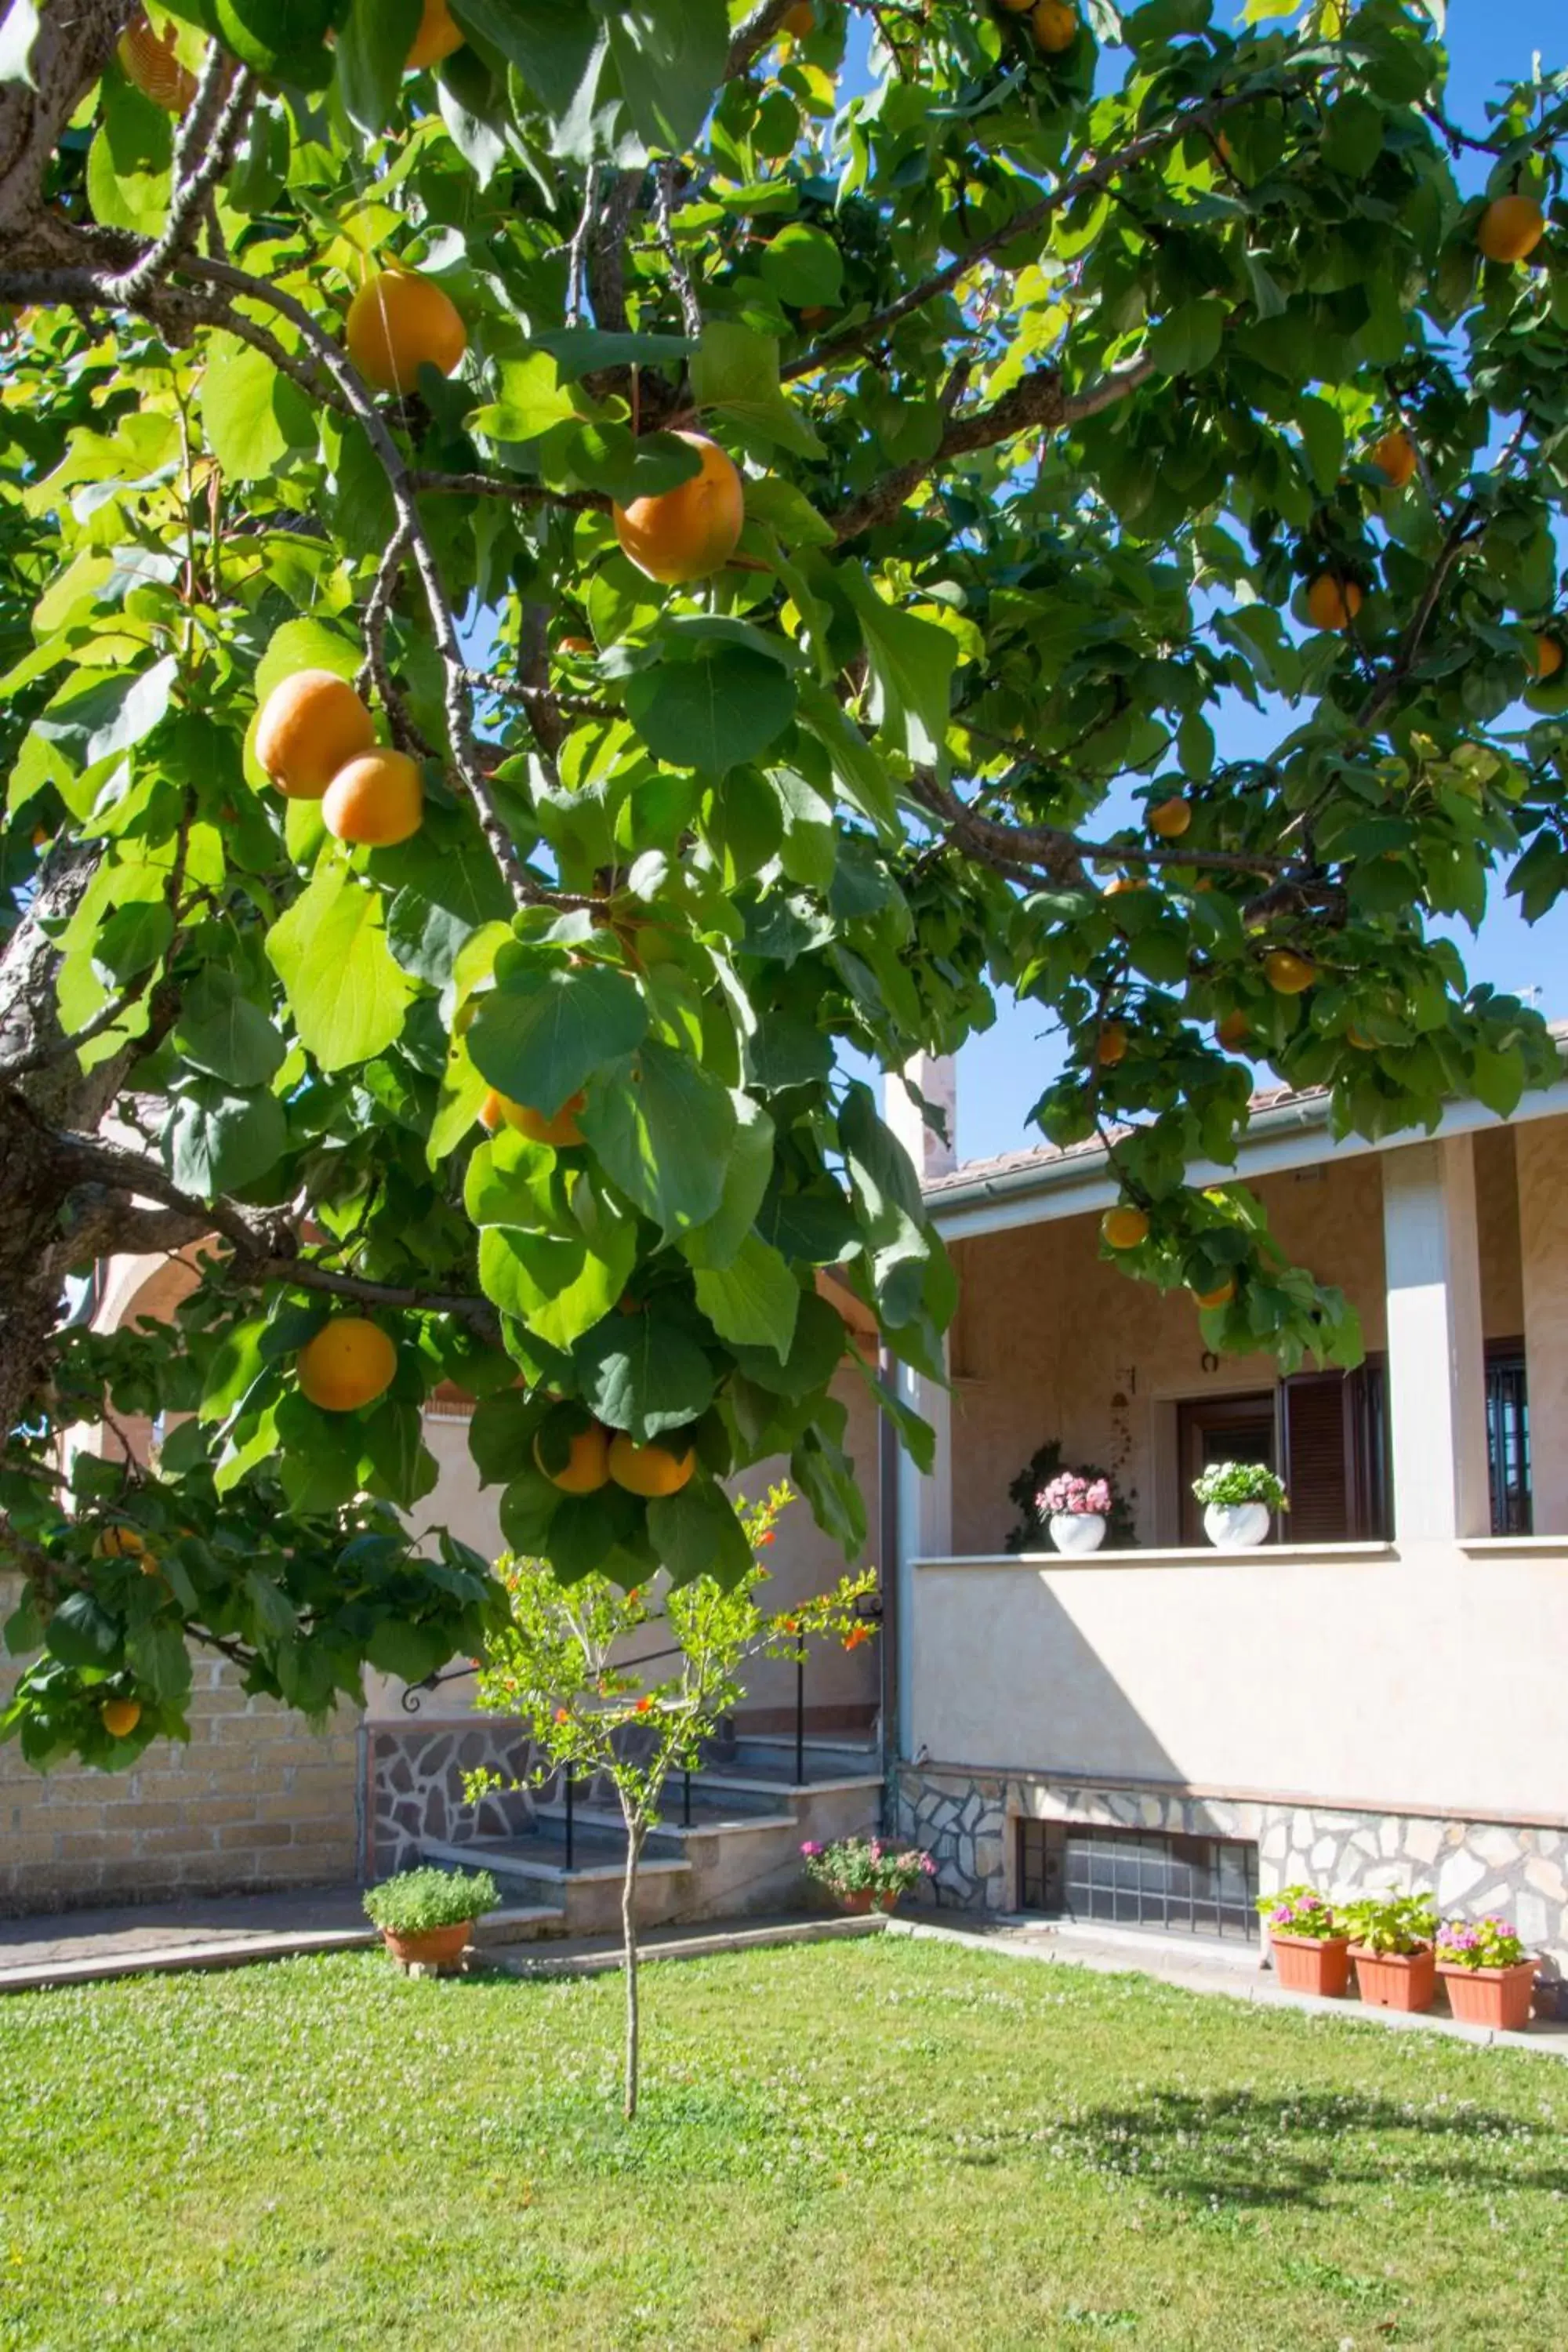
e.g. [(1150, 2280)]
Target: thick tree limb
[(750, 40), (74, 44)]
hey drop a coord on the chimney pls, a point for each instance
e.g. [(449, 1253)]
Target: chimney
[(935, 1077)]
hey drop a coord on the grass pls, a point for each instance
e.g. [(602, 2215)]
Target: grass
[(884, 2143)]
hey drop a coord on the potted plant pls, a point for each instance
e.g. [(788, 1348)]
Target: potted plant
[(1310, 1947), (427, 1916), (866, 1874), (1238, 1499), (1026, 1490), (1391, 1944), (1074, 1506), (1486, 1973)]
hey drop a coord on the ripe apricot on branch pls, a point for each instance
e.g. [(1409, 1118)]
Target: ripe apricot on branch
[(1124, 1228), (1054, 25), (1548, 659), (587, 1465), (1112, 1045), (437, 39), (1394, 457), (800, 21), (652, 1470), (120, 1716), (559, 1129), (311, 725), (398, 321), (1169, 819), (1234, 1031), (350, 1362), (376, 801), (1289, 974), (1510, 228), (1221, 1296), (152, 65), (1333, 603), (691, 531)]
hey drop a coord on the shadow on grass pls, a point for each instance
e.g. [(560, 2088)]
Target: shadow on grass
[(1240, 2150)]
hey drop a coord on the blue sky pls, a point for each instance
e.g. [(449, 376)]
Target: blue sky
[(1491, 42)]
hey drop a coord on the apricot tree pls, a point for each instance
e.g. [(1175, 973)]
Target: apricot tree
[(741, 555)]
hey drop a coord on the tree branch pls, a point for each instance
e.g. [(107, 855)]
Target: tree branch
[(373, 671), (750, 40), (215, 144)]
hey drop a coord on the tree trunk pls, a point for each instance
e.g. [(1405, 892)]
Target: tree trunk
[(629, 1950)]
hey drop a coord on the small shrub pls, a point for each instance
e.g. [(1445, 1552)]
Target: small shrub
[(416, 1901), (1229, 1482), (1390, 1922), (1489, 1943), (1302, 1912), (867, 1866)]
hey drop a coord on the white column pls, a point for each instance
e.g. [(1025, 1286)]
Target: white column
[(936, 1077), (1437, 1355)]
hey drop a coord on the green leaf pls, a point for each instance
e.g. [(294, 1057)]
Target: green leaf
[(1188, 338), (82, 1632), (644, 1373), (711, 714), (133, 937), (372, 43), (665, 1137), (347, 995), (815, 1352), (215, 1141), (753, 1300), (735, 374), (672, 56), (539, 1035), (747, 1175), (803, 267), (1324, 436), (131, 161), (825, 1477), (252, 414), (221, 1032), (90, 723), (306, 645), (531, 400), (157, 1656), (283, 38), (696, 1533), (500, 1435), (912, 670)]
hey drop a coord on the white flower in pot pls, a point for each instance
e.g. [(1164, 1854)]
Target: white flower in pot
[(1240, 1498), (1075, 1508)]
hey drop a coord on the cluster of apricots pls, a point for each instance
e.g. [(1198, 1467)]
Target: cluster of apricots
[(601, 1457), (316, 740)]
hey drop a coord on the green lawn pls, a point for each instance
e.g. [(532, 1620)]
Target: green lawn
[(883, 2143)]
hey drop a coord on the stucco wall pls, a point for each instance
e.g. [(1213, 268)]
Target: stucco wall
[(257, 1800), (1427, 1677), (1542, 1155)]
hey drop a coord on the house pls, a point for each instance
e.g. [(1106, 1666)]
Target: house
[(1151, 1736)]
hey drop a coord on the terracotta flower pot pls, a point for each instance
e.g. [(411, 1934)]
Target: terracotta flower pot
[(1406, 1981), (1320, 1964), (866, 1900), (1500, 1998), (438, 1947)]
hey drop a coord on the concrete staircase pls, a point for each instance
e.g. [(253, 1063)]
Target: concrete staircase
[(727, 1842)]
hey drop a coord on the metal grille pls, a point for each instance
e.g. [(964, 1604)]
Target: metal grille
[(1139, 1878), (1508, 1441)]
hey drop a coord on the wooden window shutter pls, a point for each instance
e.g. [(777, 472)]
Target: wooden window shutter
[(1318, 1470)]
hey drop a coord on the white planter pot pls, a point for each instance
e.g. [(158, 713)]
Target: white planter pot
[(1077, 1530), (1236, 1527)]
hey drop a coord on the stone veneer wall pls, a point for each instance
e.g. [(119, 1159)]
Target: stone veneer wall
[(258, 1799), (417, 1782), (968, 1823)]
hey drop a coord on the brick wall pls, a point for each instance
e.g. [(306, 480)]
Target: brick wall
[(258, 1799)]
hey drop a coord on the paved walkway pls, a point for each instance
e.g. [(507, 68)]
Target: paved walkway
[(201, 1932), (1231, 1972)]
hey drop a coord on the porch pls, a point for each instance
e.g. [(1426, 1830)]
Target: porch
[(1153, 1734)]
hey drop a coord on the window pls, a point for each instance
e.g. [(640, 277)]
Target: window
[(1508, 1438), (1139, 1878)]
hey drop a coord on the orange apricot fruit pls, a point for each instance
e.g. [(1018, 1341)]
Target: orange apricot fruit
[(1233, 1031), (560, 1130), (653, 1470), (398, 322), (1394, 457), (1124, 1227), (1510, 228), (120, 1716), (1548, 659), (311, 725), (349, 1363), (1169, 819), (1221, 1296), (587, 1465), (1110, 1046), (376, 801), (1333, 603), (690, 532), (437, 39), (1054, 25), (1289, 974)]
